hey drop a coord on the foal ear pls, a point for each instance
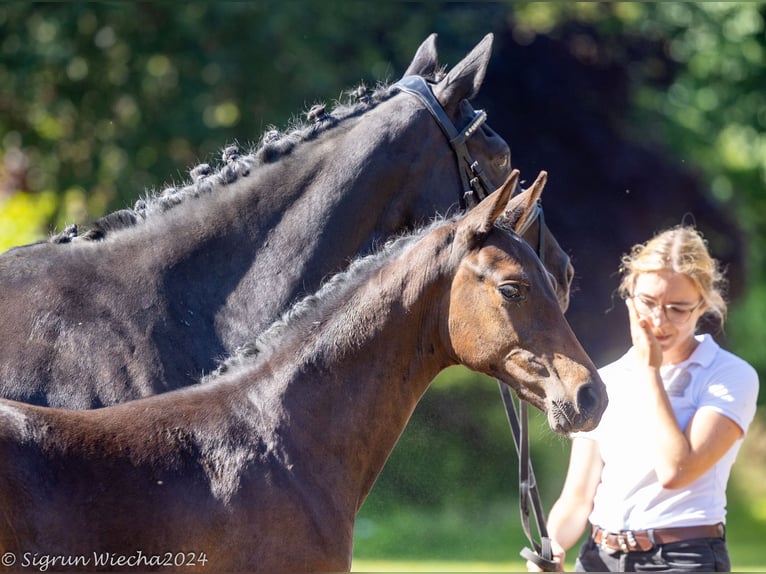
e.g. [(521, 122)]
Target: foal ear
[(478, 223), (426, 61), (464, 80), (520, 206), (535, 191)]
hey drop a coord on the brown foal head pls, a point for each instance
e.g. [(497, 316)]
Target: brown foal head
[(505, 320)]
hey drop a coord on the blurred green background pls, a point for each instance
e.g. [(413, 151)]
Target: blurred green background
[(102, 103)]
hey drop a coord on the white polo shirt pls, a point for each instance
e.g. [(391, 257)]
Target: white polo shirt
[(629, 496)]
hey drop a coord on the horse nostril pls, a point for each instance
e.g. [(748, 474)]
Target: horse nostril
[(587, 400)]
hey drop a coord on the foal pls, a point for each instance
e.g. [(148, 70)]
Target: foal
[(265, 466)]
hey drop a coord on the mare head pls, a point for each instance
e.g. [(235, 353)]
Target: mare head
[(505, 320), (446, 98), (478, 180)]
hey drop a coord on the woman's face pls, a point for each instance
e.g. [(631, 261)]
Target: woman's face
[(673, 305)]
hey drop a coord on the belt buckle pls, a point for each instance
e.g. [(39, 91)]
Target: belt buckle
[(605, 534)]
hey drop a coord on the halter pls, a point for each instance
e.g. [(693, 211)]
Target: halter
[(475, 185)]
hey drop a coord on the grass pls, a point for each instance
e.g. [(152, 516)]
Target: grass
[(486, 533)]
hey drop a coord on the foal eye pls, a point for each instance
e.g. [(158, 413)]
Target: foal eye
[(511, 291)]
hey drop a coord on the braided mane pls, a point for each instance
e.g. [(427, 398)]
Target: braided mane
[(272, 146)]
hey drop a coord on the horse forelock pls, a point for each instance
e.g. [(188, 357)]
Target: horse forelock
[(314, 307), (272, 146)]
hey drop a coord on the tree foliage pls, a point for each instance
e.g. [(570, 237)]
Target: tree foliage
[(104, 101), (709, 109)]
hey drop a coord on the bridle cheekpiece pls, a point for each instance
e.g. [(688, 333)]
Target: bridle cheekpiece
[(475, 184)]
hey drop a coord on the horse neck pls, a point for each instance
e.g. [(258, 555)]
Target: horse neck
[(235, 258), (351, 391), (328, 202)]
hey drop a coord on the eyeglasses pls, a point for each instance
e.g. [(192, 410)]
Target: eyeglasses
[(673, 313)]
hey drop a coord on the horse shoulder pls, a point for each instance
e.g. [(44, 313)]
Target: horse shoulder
[(69, 306)]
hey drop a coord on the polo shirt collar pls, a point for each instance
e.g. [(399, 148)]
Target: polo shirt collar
[(705, 352)]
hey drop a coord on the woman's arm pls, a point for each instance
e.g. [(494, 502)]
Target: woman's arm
[(569, 515), (682, 456)]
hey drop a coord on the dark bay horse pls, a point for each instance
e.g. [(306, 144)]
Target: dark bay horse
[(265, 466), (152, 298)]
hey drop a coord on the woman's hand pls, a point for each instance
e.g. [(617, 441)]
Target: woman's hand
[(645, 343), (558, 555)]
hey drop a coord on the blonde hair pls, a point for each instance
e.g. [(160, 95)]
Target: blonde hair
[(681, 249)]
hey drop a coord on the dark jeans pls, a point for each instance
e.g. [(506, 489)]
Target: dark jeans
[(701, 555)]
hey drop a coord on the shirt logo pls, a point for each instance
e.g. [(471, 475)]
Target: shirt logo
[(678, 384)]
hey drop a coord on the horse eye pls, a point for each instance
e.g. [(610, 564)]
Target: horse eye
[(511, 291)]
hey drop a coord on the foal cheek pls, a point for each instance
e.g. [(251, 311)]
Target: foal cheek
[(476, 336)]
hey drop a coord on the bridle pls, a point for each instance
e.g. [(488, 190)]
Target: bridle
[(475, 184), (475, 188)]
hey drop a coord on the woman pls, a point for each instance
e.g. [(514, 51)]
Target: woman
[(650, 481)]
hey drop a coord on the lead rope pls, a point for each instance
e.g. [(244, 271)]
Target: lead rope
[(540, 554)]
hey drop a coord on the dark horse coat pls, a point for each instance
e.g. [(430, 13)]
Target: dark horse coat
[(152, 298)]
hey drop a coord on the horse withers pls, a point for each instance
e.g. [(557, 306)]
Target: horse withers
[(266, 465), (151, 298)]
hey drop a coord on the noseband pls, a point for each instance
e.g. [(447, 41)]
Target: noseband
[(475, 184)]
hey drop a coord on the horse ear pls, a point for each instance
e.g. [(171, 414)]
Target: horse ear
[(477, 224), (465, 79), (426, 61), (530, 195)]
